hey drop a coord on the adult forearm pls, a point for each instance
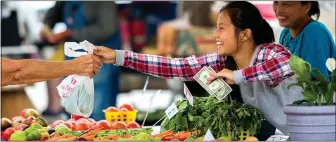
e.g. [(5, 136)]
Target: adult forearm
[(35, 71)]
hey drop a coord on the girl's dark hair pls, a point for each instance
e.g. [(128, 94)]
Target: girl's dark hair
[(245, 15), (315, 8)]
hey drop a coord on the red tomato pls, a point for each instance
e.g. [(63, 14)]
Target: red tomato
[(68, 124), (133, 125), (81, 126), (73, 122), (91, 120), (112, 109), (58, 122), (104, 124), (83, 120), (119, 125), (123, 109), (127, 106)]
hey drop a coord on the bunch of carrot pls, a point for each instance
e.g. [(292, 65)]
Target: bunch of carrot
[(90, 135), (69, 137), (169, 135)]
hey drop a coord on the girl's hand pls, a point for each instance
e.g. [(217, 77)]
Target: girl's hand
[(226, 74), (107, 55)]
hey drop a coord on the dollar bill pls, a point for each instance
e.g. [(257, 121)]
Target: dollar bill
[(202, 76), (224, 91)]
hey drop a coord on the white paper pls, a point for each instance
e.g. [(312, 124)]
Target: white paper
[(171, 111), (208, 136), (278, 138), (189, 96)]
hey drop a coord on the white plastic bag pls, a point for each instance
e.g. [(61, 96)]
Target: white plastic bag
[(77, 91)]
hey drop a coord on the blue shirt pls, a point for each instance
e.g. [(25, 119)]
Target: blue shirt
[(314, 45)]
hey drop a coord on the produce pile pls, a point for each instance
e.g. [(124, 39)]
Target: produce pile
[(227, 120), (30, 126)]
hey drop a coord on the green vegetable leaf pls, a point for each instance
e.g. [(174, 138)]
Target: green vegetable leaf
[(319, 75), (309, 96), (301, 68), (300, 83), (330, 94)]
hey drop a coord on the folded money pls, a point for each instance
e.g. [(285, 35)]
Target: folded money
[(217, 87)]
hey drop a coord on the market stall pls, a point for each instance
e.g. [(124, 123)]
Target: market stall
[(189, 122)]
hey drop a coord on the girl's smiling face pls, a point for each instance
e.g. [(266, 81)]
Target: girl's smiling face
[(225, 35)]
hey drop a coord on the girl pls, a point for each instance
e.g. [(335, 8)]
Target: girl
[(263, 72)]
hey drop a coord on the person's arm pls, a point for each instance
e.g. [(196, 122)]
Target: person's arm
[(164, 67), (106, 22), (30, 71), (273, 66)]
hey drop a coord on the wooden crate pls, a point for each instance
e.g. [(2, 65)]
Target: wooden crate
[(13, 101)]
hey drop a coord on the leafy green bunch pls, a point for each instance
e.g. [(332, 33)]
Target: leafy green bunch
[(318, 90), (227, 118)]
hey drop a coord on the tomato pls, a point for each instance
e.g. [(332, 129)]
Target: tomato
[(83, 120), (91, 120), (123, 109), (73, 122), (127, 106), (68, 124), (112, 109), (119, 125), (104, 124), (81, 126), (133, 125), (58, 122)]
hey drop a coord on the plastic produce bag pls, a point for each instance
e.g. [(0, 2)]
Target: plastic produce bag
[(77, 91)]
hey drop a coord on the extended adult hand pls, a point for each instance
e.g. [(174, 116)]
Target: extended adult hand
[(87, 65), (226, 74), (107, 55), (55, 38)]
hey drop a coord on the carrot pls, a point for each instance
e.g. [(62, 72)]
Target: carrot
[(114, 137), (127, 136), (168, 138), (71, 138), (61, 137), (183, 134), (89, 137), (92, 132), (163, 133)]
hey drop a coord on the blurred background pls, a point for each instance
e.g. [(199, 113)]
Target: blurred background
[(167, 28)]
